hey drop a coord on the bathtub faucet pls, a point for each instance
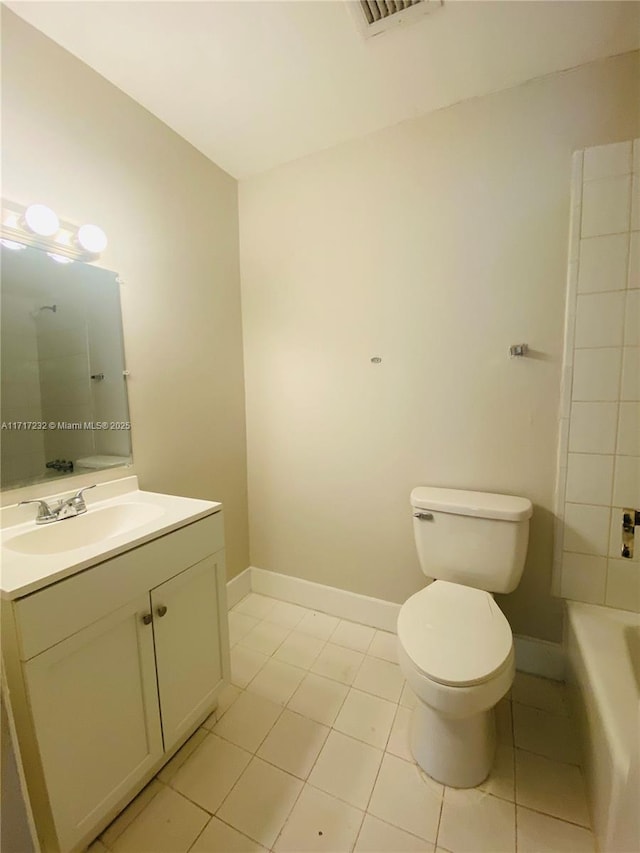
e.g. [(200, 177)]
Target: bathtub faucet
[(630, 520)]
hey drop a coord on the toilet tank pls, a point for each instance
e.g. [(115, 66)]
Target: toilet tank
[(472, 538)]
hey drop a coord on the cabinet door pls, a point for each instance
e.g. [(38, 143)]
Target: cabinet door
[(187, 635), (95, 707)]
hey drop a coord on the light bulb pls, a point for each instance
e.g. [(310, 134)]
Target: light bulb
[(11, 244), (60, 259), (41, 220), (92, 239)]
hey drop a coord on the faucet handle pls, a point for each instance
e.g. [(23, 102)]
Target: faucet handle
[(85, 489), (44, 510), (77, 501)]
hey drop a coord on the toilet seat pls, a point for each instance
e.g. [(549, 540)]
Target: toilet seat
[(455, 635)]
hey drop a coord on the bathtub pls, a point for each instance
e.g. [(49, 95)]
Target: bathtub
[(603, 656)]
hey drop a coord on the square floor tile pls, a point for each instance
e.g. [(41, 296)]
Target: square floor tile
[(473, 821), (376, 836), (546, 734), (381, 678), (318, 698), (318, 624), (168, 824), (504, 722), (226, 697), (245, 665), (501, 779), (294, 743), (260, 802), (248, 721), (539, 833), (255, 605), (347, 769), (399, 739), (366, 717), (299, 650), (265, 637), (239, 625), (217, 837), (277, 681), (405, 797), (540, 693), (338, 663), (551, 787), (210, 773), (384, 645), (319, 823), (287, 614), (353, 636), (407, 697), (171, 768), (128, 815)]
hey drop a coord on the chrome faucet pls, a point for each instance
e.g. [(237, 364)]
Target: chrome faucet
[(69, 508)]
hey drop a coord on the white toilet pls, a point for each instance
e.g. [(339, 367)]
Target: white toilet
[(454, 644)]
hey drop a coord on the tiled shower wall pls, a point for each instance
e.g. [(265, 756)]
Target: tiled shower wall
[(22, 456), (599, 451)]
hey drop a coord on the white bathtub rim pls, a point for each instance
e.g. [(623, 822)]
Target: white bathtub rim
[(602, 650)]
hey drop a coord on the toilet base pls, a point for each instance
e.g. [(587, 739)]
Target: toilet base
[(456, 751)]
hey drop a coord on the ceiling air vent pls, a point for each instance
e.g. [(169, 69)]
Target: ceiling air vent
[(378, 16)]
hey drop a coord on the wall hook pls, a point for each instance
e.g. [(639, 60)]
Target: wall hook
[(518, 350)]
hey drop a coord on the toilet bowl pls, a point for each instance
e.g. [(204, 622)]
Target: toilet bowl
[(455, 646), (455, 649)]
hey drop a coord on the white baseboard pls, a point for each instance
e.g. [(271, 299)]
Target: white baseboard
[(328, 599), (238, 587), (540, 657), (537, 657)]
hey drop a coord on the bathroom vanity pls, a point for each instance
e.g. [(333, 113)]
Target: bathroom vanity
[(115, 644)]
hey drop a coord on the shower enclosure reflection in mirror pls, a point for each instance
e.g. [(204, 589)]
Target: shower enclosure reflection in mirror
[(64, 407)]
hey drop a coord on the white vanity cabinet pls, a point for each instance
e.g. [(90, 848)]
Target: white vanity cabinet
[(94, 705), (110, 670), (187, 644)]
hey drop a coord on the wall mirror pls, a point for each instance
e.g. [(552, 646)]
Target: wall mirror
[(64, 406)]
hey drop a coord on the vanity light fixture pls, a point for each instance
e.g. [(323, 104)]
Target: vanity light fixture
[(11, 244), (37, 225), (92, 239), (41, 220)]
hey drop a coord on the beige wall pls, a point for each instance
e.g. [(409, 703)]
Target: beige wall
[(75, 142), (434, 245)]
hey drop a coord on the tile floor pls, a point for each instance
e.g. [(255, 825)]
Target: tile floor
[(308, 751)]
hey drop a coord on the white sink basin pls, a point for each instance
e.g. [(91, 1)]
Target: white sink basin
[(120, 517), (83, 530)]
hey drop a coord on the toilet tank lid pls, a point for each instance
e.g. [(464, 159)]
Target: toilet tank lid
[(462, 502)]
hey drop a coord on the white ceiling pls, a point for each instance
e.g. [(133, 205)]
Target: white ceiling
[(255, 83)]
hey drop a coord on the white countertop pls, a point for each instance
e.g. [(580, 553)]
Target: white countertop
[(21, 573)]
